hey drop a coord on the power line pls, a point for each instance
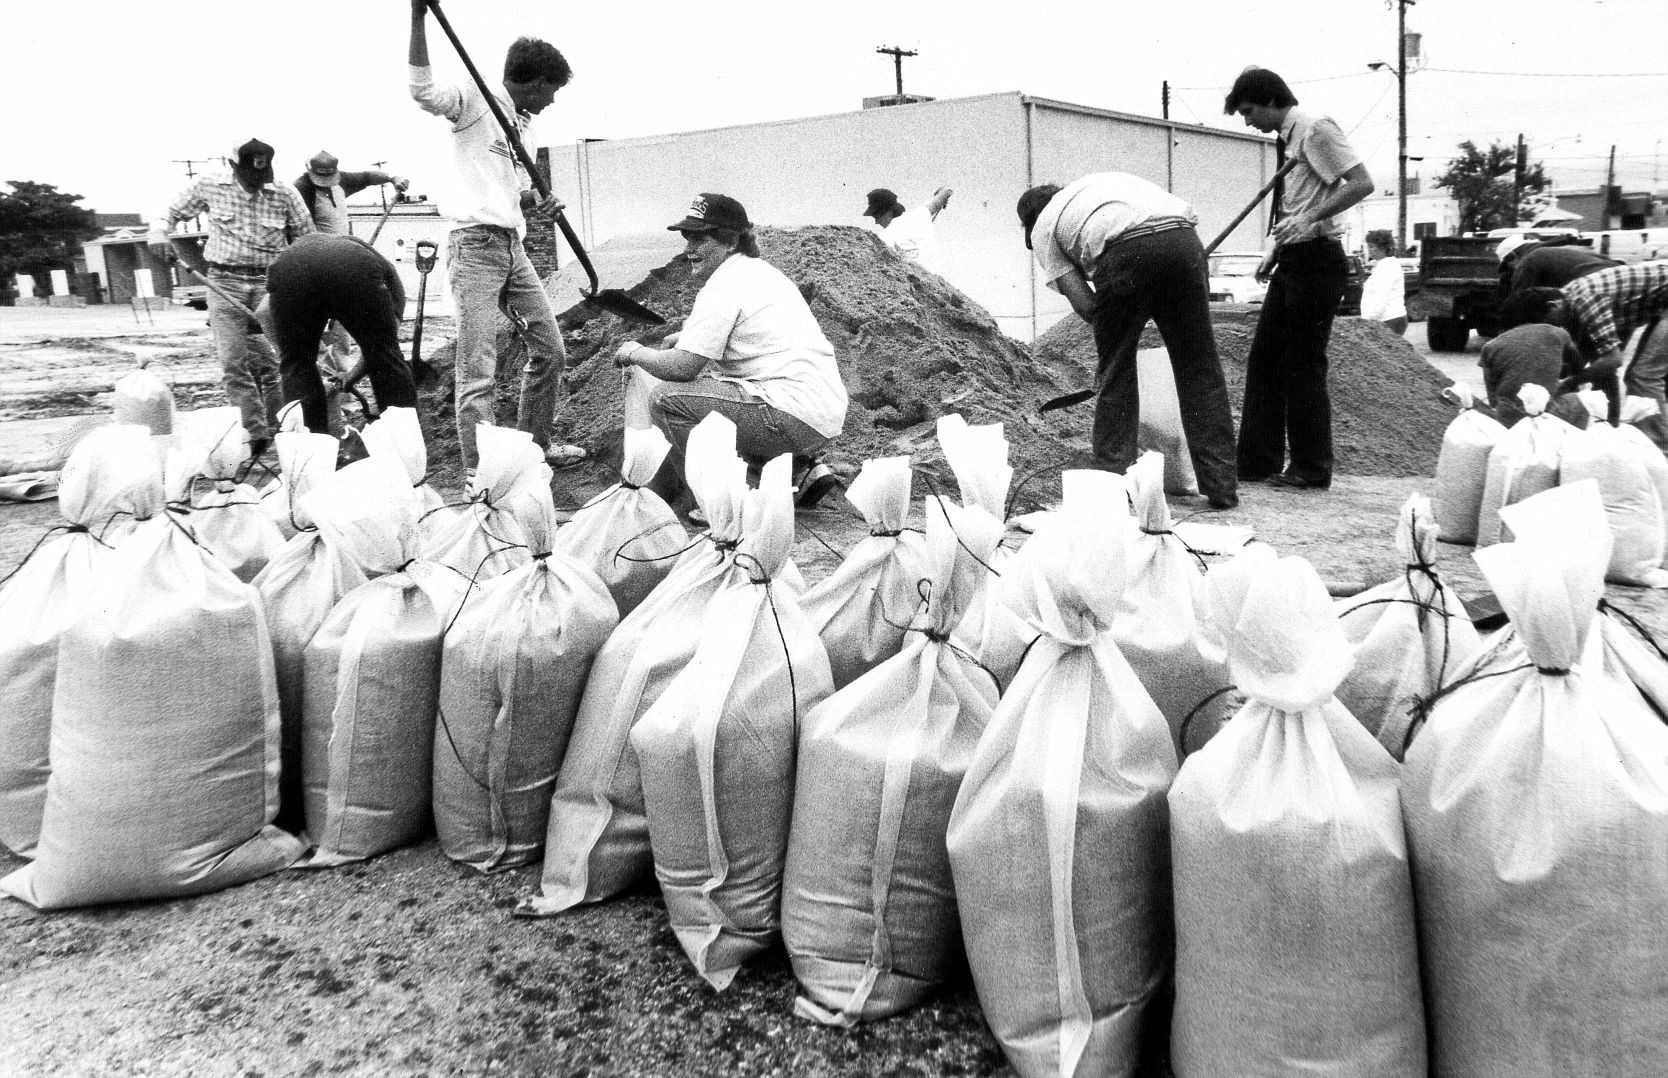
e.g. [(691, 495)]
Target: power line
[(1556, 74)]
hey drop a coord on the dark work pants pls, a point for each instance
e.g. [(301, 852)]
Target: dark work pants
[(1162, 277), (1287, 406), (305, 295)]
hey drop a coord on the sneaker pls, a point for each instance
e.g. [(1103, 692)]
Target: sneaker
[(564, 456), (818, 481)]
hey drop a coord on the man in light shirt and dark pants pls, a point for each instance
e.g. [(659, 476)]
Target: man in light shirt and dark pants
[(1285, 428), (486, 262), (1123, 250)]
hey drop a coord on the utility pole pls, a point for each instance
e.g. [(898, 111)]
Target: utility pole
[(1610, 190), (1166, 99), (188, 162), (1519, 171), (897, 55), (1401, 125)]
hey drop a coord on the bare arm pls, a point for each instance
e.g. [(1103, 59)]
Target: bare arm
[(1357, 185), (1078, 294), (940, 199), (667, 364)]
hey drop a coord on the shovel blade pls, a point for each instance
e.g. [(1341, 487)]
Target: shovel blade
[(1066, 401), (615, 301)]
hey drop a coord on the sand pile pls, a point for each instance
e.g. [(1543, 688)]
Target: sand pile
[(1386, 416), (912, 347)]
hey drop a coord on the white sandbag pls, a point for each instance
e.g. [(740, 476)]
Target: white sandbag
[(868, 907), (1621, 466), (863, 608), (1159, 626), (1462, 473), (1159, 429), (1537, 813), (717, 749), (513, 666), (1295, 948), (1410, 635), (1059, 839), (397, 434), (488, 538), (628, 534), (978, 455), (144, 399), (299, 587), (164, 743), (112, 472), (597, 843), (1522, 463), (229, 520), (371, 684)]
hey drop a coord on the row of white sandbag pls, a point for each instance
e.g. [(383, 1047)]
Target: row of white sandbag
[(1484, 467)]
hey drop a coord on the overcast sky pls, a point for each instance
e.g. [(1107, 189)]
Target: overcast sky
[(105, 99)]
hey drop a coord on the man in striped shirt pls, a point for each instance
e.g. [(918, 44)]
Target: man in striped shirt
[(250, 218), (1601, 311)]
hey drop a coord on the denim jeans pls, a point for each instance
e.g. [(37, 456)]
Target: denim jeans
[(248, 364), (489, 272), (1647, 376), (763, 432)]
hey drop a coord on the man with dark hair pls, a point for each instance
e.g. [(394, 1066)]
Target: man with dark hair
[(486, 263), (251, 218), (1123, 250), (1285, 431), (1531, 351), (909, 232), (1553, 264)]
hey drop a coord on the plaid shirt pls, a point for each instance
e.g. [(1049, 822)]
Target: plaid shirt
[(1609, 305), (243, 229)]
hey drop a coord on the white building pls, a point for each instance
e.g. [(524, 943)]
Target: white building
[(816, 171)]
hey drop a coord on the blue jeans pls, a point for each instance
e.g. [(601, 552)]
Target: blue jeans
[(489, 272), (763, 432), (248, 365)]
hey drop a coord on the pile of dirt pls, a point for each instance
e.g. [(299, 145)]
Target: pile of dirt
[(912, 347), (1387, 418)]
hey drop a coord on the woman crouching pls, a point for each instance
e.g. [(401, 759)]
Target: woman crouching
[(750, 349)]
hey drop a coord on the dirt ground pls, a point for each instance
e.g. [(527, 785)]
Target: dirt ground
[(412, 965)]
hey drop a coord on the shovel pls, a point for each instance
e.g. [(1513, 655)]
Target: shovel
[(612, 300), (1081, 395), (421, 371)]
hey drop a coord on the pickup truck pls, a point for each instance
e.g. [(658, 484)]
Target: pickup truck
[(1459, 290)]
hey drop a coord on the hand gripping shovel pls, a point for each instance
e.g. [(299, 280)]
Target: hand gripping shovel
[(612, 300), (1081, 395)]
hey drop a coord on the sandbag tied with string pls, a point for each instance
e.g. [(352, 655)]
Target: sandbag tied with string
[(142, 398), (1522, 463), (1059, 840), (864, 607), (107, 476), (1536, 796), (372, 683), (512, 669), (164, 741), (1628, 469), (299, 587), (717, 749), (1411, 635), (487, 538), (228, 519), (1160, 624), (868, 905), (978, 455), (597, 843), (628, 534), (1295, 945), (1462, 468), (397, 434)]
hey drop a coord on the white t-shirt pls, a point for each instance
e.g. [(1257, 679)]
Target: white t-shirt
[(755, 327), (1087, 214), (912, 236), (1383, 294), (489, 178)]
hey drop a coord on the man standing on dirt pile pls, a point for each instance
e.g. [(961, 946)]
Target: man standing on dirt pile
[(486, 263), (251, 219), (1287, 417), (1123, 250), (909, 232)]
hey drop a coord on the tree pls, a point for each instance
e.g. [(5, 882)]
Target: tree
[(1483, 183), (41, 229)]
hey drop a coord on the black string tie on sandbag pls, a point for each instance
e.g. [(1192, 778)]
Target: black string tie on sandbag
[(1421, 709), (1187, 719), (923, 588), (885, 533), (826, 545), (756, 575), (621, 555), (1607, 607), (47, 534)]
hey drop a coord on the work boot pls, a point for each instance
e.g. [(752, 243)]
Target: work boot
[(814, 485)]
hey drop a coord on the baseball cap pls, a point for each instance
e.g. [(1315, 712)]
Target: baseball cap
[(1510, 244), (882, 201), (710, 211), (322, 168)]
